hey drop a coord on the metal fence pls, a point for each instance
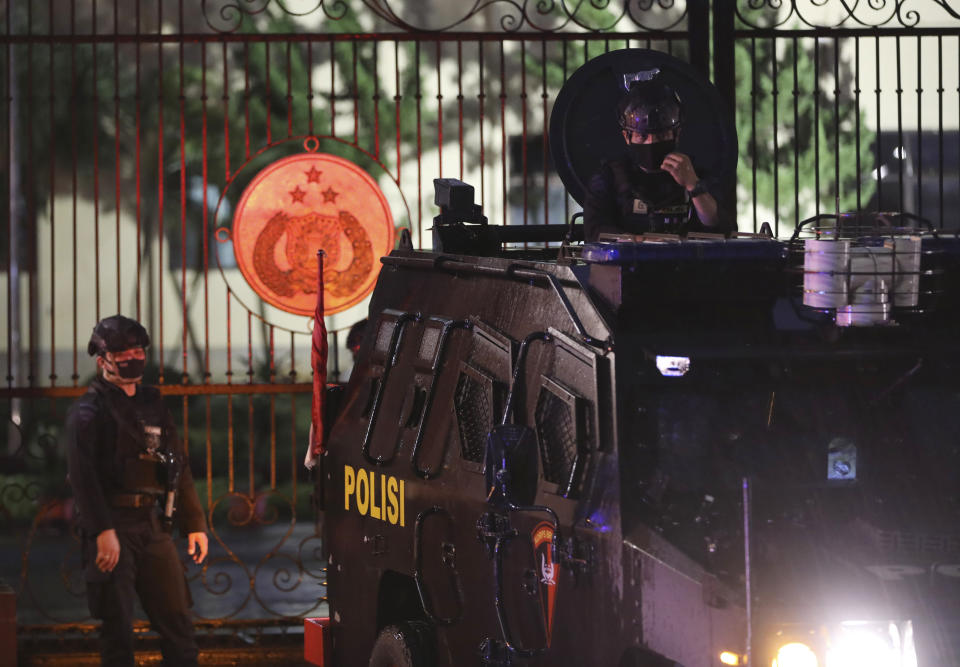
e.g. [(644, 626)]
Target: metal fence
[(130, 130)]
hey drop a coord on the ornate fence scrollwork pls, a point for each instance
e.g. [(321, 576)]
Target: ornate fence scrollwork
[(510, 16), (830, 14)]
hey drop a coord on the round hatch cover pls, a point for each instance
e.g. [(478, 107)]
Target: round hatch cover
[(584, 129)]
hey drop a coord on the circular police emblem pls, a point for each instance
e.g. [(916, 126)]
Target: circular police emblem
[(301, 204)]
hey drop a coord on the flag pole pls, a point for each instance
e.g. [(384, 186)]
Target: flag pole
[(319, 350)]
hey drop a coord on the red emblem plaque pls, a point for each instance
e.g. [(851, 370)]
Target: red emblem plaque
[(301, 204), (542, 538)]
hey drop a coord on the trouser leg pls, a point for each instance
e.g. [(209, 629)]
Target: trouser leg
[(110, 598), (164, 596)]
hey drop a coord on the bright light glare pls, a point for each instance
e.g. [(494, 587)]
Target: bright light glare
[(673, 366), (795, 655), (870, 647), (729, 658)]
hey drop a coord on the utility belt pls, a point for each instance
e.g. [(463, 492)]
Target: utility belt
[(133, 500)]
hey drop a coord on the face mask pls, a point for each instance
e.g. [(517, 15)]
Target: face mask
[(649, 157), (131, 369)]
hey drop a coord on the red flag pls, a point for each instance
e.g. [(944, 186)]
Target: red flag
[(318, 359)]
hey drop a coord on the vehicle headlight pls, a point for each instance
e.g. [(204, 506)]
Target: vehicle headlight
[(795, 654), (873, 645)]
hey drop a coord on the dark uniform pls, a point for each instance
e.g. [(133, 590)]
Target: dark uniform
[(114, 445), (624, 199)]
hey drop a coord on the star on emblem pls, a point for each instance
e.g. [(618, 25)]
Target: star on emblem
[(330, 195), (313, 175), (297, 194)]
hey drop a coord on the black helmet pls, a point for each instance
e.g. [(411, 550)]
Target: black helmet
[(649, 107), (356, 334), (117, 333)]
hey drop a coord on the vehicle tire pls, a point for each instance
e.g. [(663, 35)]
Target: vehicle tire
[(409, 644)]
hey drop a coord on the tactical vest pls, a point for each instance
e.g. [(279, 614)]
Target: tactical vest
[(649, 202), (142, 439)]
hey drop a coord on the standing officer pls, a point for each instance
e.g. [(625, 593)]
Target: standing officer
[(129, 470)]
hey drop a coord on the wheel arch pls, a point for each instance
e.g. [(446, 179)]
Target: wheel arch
[(398, 600)]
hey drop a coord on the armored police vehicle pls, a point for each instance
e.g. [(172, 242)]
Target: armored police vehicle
[(650, 450)]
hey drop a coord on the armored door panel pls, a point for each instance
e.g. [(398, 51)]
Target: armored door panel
[(397, 334), (435, 566), (563, 431), (481, 390), (528, 584), (424, 427)]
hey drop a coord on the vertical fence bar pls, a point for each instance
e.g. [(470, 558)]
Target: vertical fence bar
[(267, 94), (96, 164), (226, 177), (336, 357), (294, 467), (879, 141), (439, 111), (136, 157), (836, 122), (356, 96), (816, 123), (523, 127), (181, 104), (10, 160), (376, 100), (289, 95), (32, 226), (417, 98), (796, 128), (775, 98), (160, 180), (481, 99), (205, 217), (249, 347), (116, 151), (333, 89), (273, 414), (460, 103), (51, 155), (225, 98), (271, 354), (901, 154), (309, 87), (753, 126), (246, 100), (231, 458), (185, 407), (563, 60), (251, 487), (544, 119), (856, 97), (919, 169), (940, 126), (503, 135), (250, 420), (273, 442), (397, 97), (74, 88), (208, 448)]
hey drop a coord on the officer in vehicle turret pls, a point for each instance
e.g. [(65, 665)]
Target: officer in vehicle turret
[(652, 188), (131, 479)]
